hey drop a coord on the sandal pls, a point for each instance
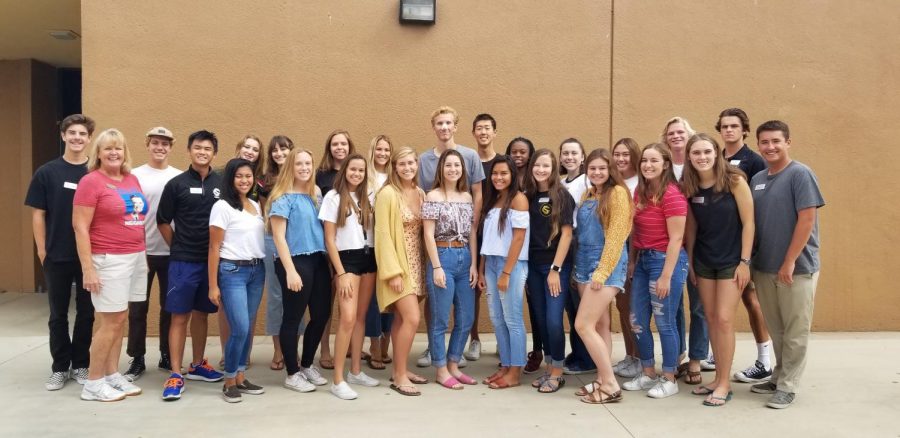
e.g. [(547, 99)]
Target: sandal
[(498, 374), (715, 401), (326, 364), (415, 378), (702, 390), (386, 359), (693, 378), (466, 379), (452, 383), (599, 399), (375, 364), (277, 365), (552, 384), (407, 392), (540, 381), (587, 389), (501, 383)]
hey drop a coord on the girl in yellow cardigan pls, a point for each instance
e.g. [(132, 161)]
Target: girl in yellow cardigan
[(398, 251)]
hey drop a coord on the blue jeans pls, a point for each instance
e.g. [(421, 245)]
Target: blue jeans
[(506, 309), (377, 323), (459, 295), (548, 310), (241, 288), (274, 308), (699, 336), (644, 301)]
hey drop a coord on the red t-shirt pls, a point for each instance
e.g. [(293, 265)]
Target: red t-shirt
[(119, 209), (650, 230)]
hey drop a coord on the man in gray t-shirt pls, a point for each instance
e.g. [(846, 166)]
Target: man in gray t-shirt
[(785, 257)]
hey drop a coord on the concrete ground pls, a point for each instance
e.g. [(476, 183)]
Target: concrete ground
[(850, 389)]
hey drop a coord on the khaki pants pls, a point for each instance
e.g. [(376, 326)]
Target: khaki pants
[(788, 310)]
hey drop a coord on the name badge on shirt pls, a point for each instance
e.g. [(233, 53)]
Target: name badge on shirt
[(735, 162), (698, 199), (759, 187), (70, 185), (544, 200), (196, 190)]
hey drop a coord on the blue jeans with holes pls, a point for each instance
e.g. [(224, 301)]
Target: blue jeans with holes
[(644, 302), (459, 295), (548, 310), (506, 309), (698, 341), (241, 288)]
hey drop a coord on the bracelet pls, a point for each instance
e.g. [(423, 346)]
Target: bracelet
[(345, 273), (507, 273), (436, 268)]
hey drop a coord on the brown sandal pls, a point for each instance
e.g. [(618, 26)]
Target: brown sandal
[(598, 399), (587, 389), (326, 364), (490, 379), (375, 364)]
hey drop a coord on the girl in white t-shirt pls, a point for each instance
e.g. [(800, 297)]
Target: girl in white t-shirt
[(378, 325), (236, 271), (347, 216), (571, 167)]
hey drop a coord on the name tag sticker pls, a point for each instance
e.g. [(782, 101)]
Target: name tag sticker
[(735, 162), (70, 185), (196, 190), (697, 199), (759, 187), (544, 199)]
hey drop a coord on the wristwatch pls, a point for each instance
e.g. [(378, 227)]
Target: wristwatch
[(555, 268), (746, 261)]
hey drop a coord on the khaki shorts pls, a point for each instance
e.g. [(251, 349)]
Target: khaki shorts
[(123, 278)]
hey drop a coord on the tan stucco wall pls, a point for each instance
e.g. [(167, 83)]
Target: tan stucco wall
[(543, 69)]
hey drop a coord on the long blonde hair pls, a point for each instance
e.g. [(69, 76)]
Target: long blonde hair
[(114, 136), (285, 182), (725, 175), (394, 178), (371, 172)]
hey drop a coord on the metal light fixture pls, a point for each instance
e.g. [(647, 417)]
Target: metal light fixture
[(64, 34), (417, 11)]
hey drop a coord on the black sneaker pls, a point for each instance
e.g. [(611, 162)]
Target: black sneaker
[(164, 364), (756, 373), (231, 394), (248, 387), (136, 369)]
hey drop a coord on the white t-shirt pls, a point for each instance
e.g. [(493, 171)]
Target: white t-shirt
[(678, 169), (576, 188), (243, 231), (152, 182), (351, 235), (632, 183)]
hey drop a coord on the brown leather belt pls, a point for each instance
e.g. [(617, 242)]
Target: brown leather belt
[(450, 244)]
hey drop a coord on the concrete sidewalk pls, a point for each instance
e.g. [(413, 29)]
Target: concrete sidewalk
[(850, 389)]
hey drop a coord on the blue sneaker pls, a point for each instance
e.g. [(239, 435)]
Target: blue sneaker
[(173, 387), (575, 369), (203, 371)]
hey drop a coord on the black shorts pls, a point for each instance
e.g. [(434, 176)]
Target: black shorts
[(358, 261)]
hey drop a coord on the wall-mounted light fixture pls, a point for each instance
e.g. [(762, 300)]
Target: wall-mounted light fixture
[(64, 34), (417, 11)]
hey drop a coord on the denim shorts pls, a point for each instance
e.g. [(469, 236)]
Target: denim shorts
[(586, 260), (358, 261)]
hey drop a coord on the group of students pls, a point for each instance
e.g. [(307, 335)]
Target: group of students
[(382, 232)]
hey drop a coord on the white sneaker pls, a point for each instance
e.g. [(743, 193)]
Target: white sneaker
[(620, 364), (641, 382), (297, 382), (343, 391), (119, 382), (57, 380), (361, 379), (425, 359), (80, 375), (630, 369), (313, 375), (474, 350), (664, 388), (101, 391), (462, 362), (708, 364)]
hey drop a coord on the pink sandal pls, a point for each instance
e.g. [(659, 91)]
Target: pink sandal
[(466, 380)]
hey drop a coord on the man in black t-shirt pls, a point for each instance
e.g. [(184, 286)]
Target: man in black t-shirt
[(50, 196), (734, 126)]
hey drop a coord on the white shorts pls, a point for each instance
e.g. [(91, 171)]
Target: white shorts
[(123, 278)]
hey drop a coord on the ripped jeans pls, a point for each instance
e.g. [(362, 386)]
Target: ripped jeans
[(644, 301)]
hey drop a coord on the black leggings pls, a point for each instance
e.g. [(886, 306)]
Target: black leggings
[(315, 293)]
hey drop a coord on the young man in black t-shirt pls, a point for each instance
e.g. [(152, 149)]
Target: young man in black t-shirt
[(50, 196), (734, 126)]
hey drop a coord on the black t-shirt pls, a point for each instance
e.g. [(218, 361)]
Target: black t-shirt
[(540, 209), (187, 200), (52, 189), (718, 237), (748, 161), (325, 180)]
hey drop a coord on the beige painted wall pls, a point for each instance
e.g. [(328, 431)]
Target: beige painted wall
[(304, 68)]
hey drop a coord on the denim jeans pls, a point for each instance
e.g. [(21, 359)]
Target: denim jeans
[(548, 310), (506, 309), (378, 323), (274, 308), (699, 336), (644, 301), (459, 295), (241, 288)]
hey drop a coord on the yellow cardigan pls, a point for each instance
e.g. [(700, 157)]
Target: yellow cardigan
[(390, 247)]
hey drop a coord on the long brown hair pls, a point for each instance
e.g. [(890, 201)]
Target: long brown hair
[(645, 194), (259, 165), (327, 159), (494, 195), (725, 175), (462, 184), (362, 208), (555, 190), (270, 173), (634, 152), (603, 193)]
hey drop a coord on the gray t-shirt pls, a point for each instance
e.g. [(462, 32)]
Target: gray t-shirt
[(428, 162), (776, 201)]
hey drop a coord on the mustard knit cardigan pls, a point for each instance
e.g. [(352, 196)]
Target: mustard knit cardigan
[(390, 247)]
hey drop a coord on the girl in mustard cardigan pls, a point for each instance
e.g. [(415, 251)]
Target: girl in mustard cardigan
[(398, 252)]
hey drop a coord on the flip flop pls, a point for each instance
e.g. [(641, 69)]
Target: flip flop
[(466, 379), (386, 359), (277, 365), (416, 379), (702, 390), (501, 383), (399, 388), (452, 383), (326, 364), (719, 401), (374, 364), (595, 400)]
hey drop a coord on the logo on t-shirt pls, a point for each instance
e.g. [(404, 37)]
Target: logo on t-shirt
[(135, 207), (546, 209), (216, 193)]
